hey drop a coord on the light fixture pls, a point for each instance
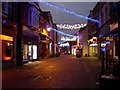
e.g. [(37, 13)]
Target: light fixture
[(48, 29)]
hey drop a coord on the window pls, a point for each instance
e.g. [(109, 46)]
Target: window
[(10, 10), (5, 7), (106, 14), (8, 51), (30, 16), (102, 18)]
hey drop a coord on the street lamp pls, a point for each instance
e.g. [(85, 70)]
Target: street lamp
[(48, 29)]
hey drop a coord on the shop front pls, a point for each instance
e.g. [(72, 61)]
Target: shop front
[(93, 47), (7, 47), (114, 31), (109, 41), (30, 45), (7, 39), (29, 52)]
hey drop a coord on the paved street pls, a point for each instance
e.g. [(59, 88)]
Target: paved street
[(65, 71)]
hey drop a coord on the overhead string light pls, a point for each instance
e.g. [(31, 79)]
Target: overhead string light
[(69, 12), (71, 27), (63, 33)]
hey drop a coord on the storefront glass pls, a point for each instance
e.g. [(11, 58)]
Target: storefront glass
[(93, 50), (29, 52), (34, 51)]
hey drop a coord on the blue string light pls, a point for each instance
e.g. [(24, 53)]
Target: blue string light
[(70, 12), (62, 33), (72, 36)]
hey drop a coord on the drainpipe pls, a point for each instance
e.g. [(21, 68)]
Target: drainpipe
[(19, 51), (119, 31)]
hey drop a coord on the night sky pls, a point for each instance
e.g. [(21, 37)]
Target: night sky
[(82, 8)]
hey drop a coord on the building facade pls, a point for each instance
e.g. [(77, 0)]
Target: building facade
[(109, 29), (83, 40), (45, 38), (25, 36), (8, 36), (30, 31), (93, 32)]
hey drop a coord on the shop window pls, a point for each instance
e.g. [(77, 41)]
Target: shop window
[(8, 51)]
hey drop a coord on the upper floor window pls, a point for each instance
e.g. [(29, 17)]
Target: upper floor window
[(102, 18), (5, 7), (30, 17), (10, 11)]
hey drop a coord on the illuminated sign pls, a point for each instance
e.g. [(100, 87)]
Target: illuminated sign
[(7, 38), (71, 27)]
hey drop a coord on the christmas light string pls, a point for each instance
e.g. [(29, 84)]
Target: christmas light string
[(71, 27), (63, 33)]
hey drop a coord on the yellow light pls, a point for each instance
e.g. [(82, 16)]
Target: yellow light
[(44, 32), (94, 37), (7, 38), (91, 40)]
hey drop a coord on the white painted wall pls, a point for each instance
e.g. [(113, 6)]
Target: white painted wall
[(85, 43)]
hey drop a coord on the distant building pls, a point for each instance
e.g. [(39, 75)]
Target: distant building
[(45, 37)]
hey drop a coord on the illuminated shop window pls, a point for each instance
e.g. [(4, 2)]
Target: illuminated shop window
[(8, 50)]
